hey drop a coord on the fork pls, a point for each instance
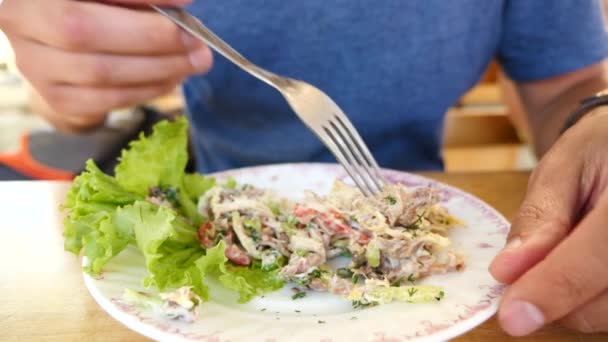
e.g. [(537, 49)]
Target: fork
[(317, 110)]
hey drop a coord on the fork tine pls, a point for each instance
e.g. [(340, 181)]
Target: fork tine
[(334, 145), (363, 152), (354, 153)]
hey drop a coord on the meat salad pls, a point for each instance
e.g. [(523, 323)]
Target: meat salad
[(392, 239)]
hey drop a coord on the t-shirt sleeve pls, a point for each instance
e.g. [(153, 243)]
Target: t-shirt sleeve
[(545, 38)]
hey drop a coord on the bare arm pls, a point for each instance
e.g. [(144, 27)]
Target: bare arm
[(549, 102)]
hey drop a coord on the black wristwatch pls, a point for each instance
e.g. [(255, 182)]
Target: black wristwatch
[(587, 105)]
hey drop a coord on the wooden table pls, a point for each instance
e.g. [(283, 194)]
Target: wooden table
[(43, 297)]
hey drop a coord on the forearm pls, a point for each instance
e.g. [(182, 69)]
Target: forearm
[(548, 116)]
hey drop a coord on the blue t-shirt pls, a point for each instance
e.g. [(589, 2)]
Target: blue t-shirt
[(393, 66)]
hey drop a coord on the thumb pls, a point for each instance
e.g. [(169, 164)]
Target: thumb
[(548, 211)]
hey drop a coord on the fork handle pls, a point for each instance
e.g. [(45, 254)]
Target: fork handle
[(192, 25)]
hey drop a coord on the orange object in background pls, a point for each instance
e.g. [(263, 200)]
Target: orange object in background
[(24, 162)]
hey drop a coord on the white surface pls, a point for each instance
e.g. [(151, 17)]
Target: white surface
[(471, 296)]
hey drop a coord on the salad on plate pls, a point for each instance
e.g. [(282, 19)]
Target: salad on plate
[(191, 228)]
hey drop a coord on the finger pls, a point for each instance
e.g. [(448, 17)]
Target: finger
[(591, 317), (103, 70), (62, 123), (76, 102), (544, 218), (572, 274), (96, 27)]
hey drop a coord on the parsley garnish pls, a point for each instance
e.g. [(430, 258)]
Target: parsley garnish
[(416, 224), (411, 278), (361, 304), (344, 273), (299, 295), (346, 253), (440, 296), (412, 291), (316, 273), (397, 282), (391, 200)]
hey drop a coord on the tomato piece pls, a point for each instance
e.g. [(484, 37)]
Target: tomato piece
[(206, 235), (237, 255), (300, 211), (364, 237)]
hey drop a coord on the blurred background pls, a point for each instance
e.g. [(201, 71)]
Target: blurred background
[(484, 131)]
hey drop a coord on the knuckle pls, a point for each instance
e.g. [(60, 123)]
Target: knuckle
[(61, 102), (74, 26), (569, 285), (531, 211), (163, 34), (539, 215), (55, 97), (580, 322), (99, 71)]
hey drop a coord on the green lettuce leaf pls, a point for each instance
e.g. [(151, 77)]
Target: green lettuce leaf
[(105, 214), (247, 282), (90, 223), (195, 185), (169, 245), (250, 282), (157, 160)]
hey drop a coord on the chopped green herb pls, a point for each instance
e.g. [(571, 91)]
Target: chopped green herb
[(355, 278), (346, 253), (397, 282), (420, 263), (440, 296), (411, 278), (172, 194), (254, 227), (302, 281), (353, 219), (344, 273), (263, 309), (299, 295), (219, 237), (416, 224), (391, 200), (412, 291), (361, 304), (316, 273), (298, 311)]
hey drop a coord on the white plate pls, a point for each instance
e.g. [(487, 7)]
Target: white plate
[(471, 297)]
